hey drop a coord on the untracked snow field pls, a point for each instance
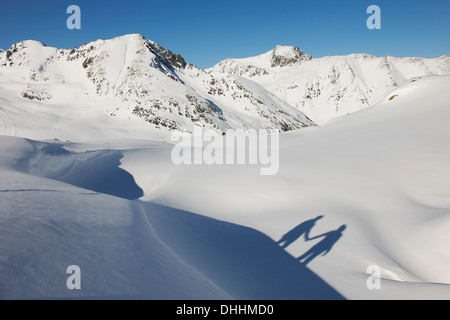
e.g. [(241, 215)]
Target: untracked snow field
[(140, 227)]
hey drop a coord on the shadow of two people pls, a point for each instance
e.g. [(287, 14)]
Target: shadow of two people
[(322, 248)]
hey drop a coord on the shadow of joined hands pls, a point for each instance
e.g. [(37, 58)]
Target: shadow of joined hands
[(322, 248)]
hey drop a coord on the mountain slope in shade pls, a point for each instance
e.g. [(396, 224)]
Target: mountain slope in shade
[(325, 88), (130, 82)]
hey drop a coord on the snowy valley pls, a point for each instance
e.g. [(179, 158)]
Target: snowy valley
[(87, 177)]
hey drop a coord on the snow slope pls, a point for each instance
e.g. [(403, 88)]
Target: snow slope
[(125, 249), (210, 231), (382, 172), (328, 87), (7, 127)]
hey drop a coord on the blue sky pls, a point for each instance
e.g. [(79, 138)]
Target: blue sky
[(205, 32)]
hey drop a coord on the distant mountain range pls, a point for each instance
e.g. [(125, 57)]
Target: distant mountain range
[(327, 87), (131, 83)]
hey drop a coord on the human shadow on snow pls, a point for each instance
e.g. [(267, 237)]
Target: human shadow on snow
[(244, 262), (322, 248), (302, 229)]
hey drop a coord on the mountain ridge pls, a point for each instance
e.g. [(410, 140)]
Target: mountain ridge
[(327, 87), (131, 81), (140, 80)]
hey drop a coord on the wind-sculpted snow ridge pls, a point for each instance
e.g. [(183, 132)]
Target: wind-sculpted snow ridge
[(328, 87), (131, 81), (124, 249)]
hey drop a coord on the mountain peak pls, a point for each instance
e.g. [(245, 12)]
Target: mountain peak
[(131, 37), (174, 59), (282, 56), (27, 44)]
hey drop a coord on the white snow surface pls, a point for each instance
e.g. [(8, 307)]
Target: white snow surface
[(140, 227)]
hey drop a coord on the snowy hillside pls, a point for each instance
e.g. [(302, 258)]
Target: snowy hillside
[(325, 88), (140, 227), (382, 172), (128, 85)]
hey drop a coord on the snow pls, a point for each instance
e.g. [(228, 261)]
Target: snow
[(125, 249), (210, 232), (382, 172), (7, 127), (286, 51)]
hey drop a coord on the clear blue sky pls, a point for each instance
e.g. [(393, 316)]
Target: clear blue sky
[(205, 32)]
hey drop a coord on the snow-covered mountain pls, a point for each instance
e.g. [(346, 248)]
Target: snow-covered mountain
[(327, 87), (132, 85), (136, 81)]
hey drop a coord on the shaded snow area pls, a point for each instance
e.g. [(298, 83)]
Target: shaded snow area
[(368, 189)]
